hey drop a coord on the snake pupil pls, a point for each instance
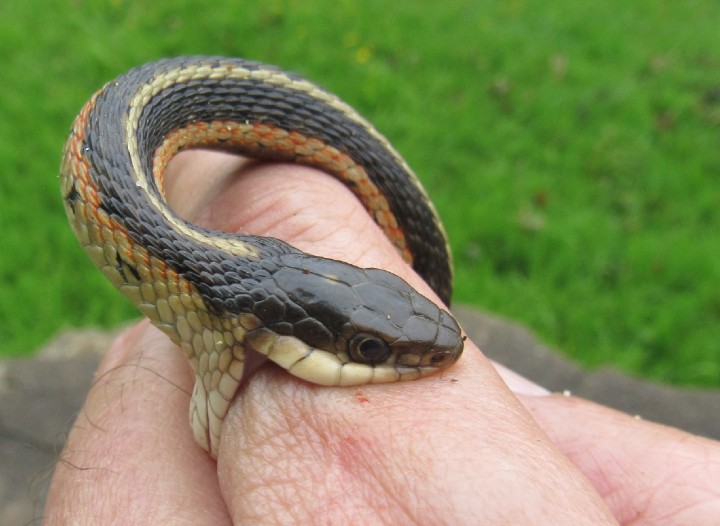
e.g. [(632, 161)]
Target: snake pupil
[(368, 349)]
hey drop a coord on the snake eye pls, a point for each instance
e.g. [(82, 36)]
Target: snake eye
[(368, 349)]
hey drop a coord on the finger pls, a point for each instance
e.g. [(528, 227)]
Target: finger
[(648, 474), (455, 448), (130, 457), (448, 450)]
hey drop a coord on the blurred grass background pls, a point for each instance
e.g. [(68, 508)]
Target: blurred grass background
[(573, 150)]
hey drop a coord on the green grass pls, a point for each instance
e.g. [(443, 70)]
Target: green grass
[(573, 150)]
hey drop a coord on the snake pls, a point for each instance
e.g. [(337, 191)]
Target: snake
[(219, 295)]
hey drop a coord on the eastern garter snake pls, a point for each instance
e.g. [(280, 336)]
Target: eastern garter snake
[(217, 294)]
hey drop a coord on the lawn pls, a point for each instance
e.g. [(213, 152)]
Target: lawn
[(572, 149)]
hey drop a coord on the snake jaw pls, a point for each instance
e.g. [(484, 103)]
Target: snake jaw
[(328, 368)]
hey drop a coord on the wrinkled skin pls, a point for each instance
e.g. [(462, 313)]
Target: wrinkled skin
[(456, 448)]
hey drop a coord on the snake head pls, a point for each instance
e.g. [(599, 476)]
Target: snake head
[(338, 324)]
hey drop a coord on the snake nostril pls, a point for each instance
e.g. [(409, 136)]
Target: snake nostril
[(437, 359)]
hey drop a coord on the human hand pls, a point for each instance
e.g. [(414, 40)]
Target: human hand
[(647, 473), (453, 448)]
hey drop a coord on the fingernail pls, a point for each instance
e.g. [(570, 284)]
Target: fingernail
[(519, 384)]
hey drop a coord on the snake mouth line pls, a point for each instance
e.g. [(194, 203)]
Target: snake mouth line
[(326, 368)]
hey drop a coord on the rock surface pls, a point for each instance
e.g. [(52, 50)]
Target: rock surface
[(40, 396)]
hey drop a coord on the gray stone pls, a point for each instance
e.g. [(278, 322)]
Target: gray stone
[(40, 396)]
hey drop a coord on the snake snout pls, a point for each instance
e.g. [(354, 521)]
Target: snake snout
[(439, 351), (444, 357), (449, 342)]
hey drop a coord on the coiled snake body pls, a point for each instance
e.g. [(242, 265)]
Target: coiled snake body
[(217, 294)]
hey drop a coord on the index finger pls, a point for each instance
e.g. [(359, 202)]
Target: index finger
[(288, 448)]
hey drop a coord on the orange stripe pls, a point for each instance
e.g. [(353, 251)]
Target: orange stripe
[(263, 139)]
